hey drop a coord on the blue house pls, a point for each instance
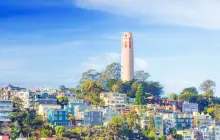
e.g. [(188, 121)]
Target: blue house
[(58, 117), (93, 117), (70, 107)]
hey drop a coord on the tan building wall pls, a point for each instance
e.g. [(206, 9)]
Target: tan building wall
[(127, 60), (42, 109)]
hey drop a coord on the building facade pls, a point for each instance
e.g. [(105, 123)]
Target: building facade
[(43, 109), (71, 105), (187, 134), (58, 117), (6, 107), (7, 93), (159, 126), (201, 120), (180, 121), (93, 117), (113, 99), (190, 107)]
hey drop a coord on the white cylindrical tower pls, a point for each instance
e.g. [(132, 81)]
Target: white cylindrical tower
[(127, 57)]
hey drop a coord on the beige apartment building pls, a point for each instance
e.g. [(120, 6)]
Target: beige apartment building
[(114, 99)]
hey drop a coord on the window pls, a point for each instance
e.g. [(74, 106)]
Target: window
[(60, 118)]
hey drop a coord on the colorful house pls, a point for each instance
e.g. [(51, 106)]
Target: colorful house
[(43, 109), (158, 119), (4, 137), (70, 107), (93, 117), (201, 120), (180, 121), (5, 109), (58, 117)]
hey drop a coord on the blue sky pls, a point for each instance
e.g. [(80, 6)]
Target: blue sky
[(51, 42)]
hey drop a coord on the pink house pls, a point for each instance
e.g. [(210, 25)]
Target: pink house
[(4, 137)]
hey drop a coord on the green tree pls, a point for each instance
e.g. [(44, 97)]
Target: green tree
[(110, 83), (131, 119), (152, 134), (163, 137), (192, 90), (89, 75), (134, 86), (63, 88), (92, 90), (31, 123), (152, 87), (139, 99), (209, 94), (217, 112), (215, 100), (92, 87), (62, 100), (46, 131), (203, 103), (112, 71), (208, 84), (72, 118), (102, 102), (72, 134), (151, 123), (115, 126), (141, 76), (17, 116), (184, 97), (125, 87), (115, 88), (173, 96), (23, 123), (59, 131), (144, 133)]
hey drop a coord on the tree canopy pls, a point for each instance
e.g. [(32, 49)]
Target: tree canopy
[(192, 90), (141, 76), (139, 97), (62, 100), (112, 71), (89, 75), (208, 84)]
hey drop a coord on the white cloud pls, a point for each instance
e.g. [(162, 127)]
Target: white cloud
[(99, 62), (197, 13)]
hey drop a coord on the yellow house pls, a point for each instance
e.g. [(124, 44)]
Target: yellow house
[(43, 108)]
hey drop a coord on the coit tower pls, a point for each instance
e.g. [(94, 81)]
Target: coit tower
[(127, 57)]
